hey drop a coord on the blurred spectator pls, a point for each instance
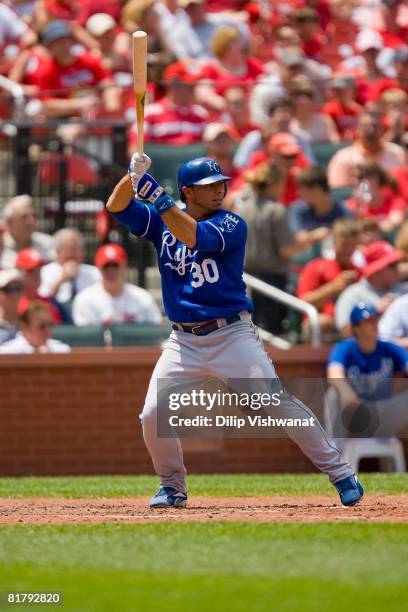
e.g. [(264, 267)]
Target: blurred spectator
[(368, 148), (143, 15), (68, 275), (62, 73), (362, 370), (280, 118), (219, 139), (90, 7), (379, 285), (395, 114), (394, 31), (366, 65), (394, 322), (273, 84), (13, 31), (231, 66), (20, 222), (369, 232), (237, 112), (309, 124), (271, 243), (273, 87), (376, 196), (401, 172), (191, 38), (342, 108), (400, 81), (401, 243), (36, 324), (113, 300), (322, 279), (175, 119), (114, 43), (11, 290), (29, 262), (316, 207), (305, 20)]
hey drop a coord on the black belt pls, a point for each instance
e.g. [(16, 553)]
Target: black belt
[(202, 329)]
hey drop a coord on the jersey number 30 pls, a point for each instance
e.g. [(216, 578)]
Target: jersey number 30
[(206, 271)]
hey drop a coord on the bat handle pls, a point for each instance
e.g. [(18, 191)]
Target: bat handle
[(140, 99)]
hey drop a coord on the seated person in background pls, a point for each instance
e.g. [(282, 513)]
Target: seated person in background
[(316, 207), (236, 113), (322, 279), (68, 275), (368, 147), (342, 107), (394, 103), (394, 322), (29, 262), (270, 243), (36, 323), (376, 196), (309, 124), (19, 217), (361, 368), (369, 232), (401, 172), (219, 139), (175, 119), (279, 120), (231, 65), (11, 290), (62, 76), (380, 283), (114, 43), (113, 300)]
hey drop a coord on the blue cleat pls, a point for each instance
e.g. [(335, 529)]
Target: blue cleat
[(350, 490), (168, 497)]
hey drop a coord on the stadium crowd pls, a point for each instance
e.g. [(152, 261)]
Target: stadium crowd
[(260, 85)]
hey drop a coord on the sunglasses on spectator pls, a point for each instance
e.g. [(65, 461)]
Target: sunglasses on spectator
[(9, 289), (112, 264), (288, 157), (44, 325)]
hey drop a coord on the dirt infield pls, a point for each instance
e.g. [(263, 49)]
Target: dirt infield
[(57, 511)]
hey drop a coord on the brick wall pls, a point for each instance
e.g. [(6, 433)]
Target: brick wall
[(78, 414)]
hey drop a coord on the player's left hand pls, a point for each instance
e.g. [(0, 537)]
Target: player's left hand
[(139, 165)]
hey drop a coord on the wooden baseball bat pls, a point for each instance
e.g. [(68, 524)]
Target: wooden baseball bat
[(139, 49)]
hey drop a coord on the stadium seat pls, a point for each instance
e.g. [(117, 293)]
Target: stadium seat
[(389, 451), (88, 335), (166, 160), (324, 151), (138, 334)]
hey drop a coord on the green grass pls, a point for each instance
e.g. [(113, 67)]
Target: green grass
[(217, 567), (228, 485), (214, 566)]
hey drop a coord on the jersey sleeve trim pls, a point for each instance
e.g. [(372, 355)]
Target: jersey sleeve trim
[(220, 233)]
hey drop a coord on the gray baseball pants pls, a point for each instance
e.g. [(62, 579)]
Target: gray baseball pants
[(232, 352)]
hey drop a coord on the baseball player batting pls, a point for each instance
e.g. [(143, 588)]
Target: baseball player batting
[(200, 256)]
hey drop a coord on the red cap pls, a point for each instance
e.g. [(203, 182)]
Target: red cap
[(378, 256), (110, 253), (284, 143), (28, 259), (179, 72)]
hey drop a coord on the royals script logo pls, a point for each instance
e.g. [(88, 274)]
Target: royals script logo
[(181, 257)]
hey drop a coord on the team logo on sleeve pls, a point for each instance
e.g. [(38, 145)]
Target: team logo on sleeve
[(229, 223)]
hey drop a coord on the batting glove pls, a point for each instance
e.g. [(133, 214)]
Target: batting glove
[(150, 190), (139, 165)]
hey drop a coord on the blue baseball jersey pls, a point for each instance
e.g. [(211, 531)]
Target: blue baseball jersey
[(201, 283), (370, 374)]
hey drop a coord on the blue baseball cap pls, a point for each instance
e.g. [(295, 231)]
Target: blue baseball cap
[(362, 312), (55, 30)]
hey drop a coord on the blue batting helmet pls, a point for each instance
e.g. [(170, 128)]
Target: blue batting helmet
[(362, 312), (200, 171)]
